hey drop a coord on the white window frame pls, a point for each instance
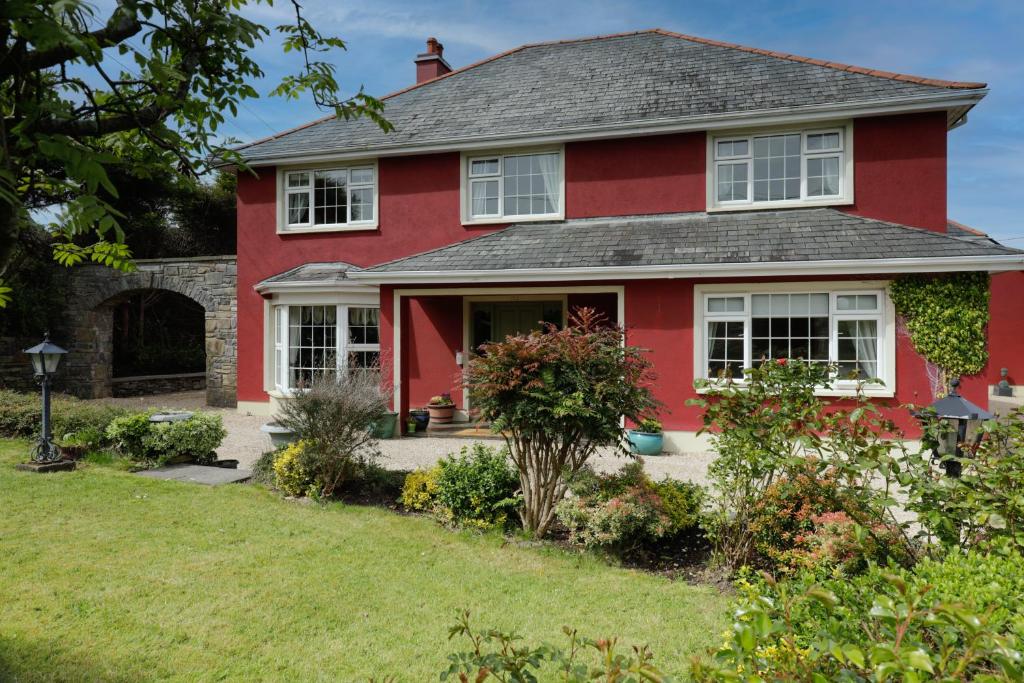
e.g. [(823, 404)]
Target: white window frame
[(885, 315), (284, 192), (466, 182), (279, 332), (844, 152)]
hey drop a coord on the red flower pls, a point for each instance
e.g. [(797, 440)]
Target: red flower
[(781, 361)]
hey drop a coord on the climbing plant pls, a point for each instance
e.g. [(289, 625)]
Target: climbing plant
[(946, 317)]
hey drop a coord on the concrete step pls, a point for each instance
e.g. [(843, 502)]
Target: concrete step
[(459, 430), (198, 474)]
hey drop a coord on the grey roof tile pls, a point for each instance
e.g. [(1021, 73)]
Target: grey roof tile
[(331, 272), (792, 235), (628, 79)]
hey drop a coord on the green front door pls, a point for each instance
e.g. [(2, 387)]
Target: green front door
[(492, 321)]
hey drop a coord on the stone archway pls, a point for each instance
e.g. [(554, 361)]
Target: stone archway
[(210, 281)]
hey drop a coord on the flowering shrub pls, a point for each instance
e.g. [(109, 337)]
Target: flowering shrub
[(419, 492), (290, 473), (557, 395)]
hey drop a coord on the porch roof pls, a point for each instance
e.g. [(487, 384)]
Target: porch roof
[(309, 276), (739, 244)]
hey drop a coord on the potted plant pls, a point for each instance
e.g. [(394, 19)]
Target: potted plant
[(441, 408), (384, 427), (410, 426), (74, 446), (647, 439), (422, 418), (280, 436)]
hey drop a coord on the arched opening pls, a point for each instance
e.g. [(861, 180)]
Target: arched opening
[(157, 332)]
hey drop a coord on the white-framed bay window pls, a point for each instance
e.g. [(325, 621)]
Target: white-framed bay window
[(321, 340), (513, 186), (852, 326), (335, 198), (781, 168)]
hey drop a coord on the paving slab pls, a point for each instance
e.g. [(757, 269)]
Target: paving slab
[(198, 474)]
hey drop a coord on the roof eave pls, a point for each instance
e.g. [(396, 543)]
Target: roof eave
[(311, 286), (957, 102), (851, 267)]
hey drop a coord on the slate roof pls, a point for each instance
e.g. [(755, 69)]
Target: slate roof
[(331, 272), (604, 82), (967, 232), (790, 236)]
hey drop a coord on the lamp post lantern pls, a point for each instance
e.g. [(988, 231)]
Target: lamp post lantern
[(45, 360), (966, 416)]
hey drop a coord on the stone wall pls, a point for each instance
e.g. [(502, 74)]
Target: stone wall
[(208, 280), (15, 366), (146, 385)]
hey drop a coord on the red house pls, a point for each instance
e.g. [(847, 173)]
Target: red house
[(724, 203)]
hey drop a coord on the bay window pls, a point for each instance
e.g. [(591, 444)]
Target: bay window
[(514, 186), (330, 198), (742, 329), (790, 167), (315, 341)]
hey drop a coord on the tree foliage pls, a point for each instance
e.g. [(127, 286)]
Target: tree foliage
[(557, 395), (142, 90)]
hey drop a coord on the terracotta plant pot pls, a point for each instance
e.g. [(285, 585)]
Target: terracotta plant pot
[(441, 414)]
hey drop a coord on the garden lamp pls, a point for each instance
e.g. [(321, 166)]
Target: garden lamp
[(966, 417), (45, 360)]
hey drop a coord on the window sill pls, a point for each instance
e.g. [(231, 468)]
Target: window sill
[(507, 220), (795, 204), (358, 227), (835, 392)]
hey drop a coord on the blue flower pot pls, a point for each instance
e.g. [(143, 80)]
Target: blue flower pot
[(645, 443)]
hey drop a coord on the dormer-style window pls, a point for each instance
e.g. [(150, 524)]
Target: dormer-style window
[(343, 198), (513, 187), (787, 168)]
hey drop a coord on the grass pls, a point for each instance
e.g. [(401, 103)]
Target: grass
[(109, 576)]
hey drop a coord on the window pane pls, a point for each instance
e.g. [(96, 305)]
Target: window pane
[(531, 184), (777, 167), (732, 182), (822, 141), (298, 208), (479, 167), (484, 196), (298, 179), (312, 350), (362, 204), (725, 304), (857, 350), (725, 349), (362, 175), (733, 148), (785, 326), (330, 197), (823, 177), (363, 325)]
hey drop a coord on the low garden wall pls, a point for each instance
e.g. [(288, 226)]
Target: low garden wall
[(145, 385)]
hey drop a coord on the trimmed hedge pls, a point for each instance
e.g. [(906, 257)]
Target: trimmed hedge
[(21, 414)]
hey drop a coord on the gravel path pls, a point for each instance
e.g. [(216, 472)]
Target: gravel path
[(245, 442)]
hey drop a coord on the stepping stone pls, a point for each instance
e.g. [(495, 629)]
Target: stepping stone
[(198, 474)]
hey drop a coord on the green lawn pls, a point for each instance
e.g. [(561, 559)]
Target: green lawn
[(108, 576)]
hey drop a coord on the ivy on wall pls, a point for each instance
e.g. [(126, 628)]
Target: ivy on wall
[(946, 317)]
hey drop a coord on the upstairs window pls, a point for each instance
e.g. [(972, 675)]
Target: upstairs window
[(791, 167), (514, 186), (330, 197)]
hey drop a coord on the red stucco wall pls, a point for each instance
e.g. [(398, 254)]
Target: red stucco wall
[(900, 169), (1006, 328), (659, 174)]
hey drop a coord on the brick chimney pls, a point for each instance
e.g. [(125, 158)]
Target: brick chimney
[(431, 64)]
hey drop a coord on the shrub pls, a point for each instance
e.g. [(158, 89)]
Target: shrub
[(335, 417), (477, 488), (557, 395), (649, 425), (420, 489), (880, 626), (263, 468), (765, 430), (21, 414), (157, 443), (290, 473), (498, 656), (626, 511)]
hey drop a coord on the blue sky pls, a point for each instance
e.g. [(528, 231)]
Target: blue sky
[(964, 40)]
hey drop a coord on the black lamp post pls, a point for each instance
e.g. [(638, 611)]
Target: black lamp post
[(45, 359), (964, 415)]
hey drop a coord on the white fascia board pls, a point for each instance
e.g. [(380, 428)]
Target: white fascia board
[(992, 264), (313, 286), (792, 115)]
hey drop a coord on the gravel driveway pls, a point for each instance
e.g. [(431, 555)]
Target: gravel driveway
[(245, 442)]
